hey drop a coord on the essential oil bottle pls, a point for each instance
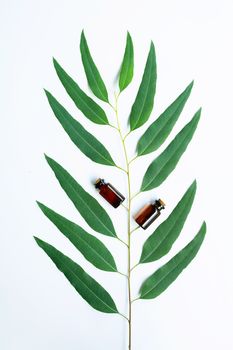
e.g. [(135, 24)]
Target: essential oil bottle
[(149, 213), (110, 193)]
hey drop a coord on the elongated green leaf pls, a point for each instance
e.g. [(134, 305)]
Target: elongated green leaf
[(92, 212), (166, 162), (85, 141), (88, 106), (161, 279), (161, 241), (159, 130), (85, 285), (91, 247), (93, 76), (127, 67), (144, 101)]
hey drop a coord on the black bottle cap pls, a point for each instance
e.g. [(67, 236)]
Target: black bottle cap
[(160, 204), (99, 182)]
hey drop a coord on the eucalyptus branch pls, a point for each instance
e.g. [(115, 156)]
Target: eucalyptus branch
[(160, 242)]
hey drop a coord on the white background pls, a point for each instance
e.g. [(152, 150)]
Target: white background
[(193, 40)]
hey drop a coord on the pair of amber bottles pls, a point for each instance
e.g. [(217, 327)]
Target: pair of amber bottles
[(144, 217)]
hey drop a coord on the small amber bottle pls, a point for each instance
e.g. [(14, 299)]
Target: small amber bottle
[(114, 197), (149, 213)]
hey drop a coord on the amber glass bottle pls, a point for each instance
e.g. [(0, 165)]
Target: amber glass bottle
[(110, 193), (149, 213)]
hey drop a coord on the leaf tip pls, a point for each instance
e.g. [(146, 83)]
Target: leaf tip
[(204, 226), (199, 111), (40, 205), (82, 38), (190, 86), (194, 184), (47, 157), (48, 94), (152, 46), (55, 63), (128, 35), (196, 117), (38, 240)]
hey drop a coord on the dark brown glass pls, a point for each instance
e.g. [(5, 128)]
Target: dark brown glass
[(149, 213), (110, 193)]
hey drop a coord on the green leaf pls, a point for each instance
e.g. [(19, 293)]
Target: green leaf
[(93, 76), (85, 141), (161, 241), (161, 279), (89, 289), (159, 130), (92, 212), (88, 106), (166, 162), (144, 101), (127, 66), (91, 247)]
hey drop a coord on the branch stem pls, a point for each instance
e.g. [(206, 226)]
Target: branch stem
[(119, 167), (129, 224), (124, 206), (135, 229), (126, 135), (123, 316), (133, 159), (113, 126), (134, 267), (135, 195), (119, 239), (123, 274), (135, 300)]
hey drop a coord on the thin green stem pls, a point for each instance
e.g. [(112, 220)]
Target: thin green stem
[(123, 274), (117, 95), (129, 216), (124, 206), (135, 195), (133, 159), (119, 167), (135, 229), (123, 316), (135, 300), (134, 267), (126, 135), (112, 106), (113, 126), (119, 239)]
